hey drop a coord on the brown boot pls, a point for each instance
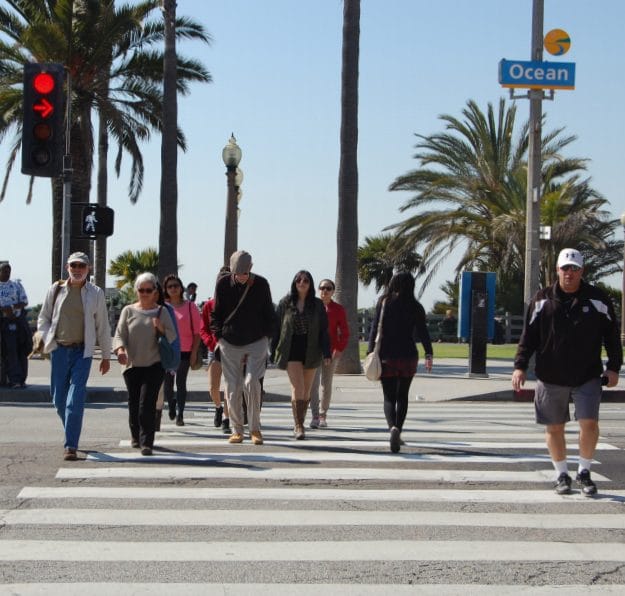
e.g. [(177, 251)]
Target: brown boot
[(301, 407)]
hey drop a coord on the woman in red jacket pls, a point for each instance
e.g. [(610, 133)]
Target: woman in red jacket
[(339, 334), (214, 363)]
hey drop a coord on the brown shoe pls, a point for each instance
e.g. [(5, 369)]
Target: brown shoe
[(70, 454), (257, 438), (235, 438)]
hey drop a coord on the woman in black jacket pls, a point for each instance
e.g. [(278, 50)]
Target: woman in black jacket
[(301, 342), (403, 324)]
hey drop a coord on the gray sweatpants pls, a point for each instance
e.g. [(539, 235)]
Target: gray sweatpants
[(243, 367)]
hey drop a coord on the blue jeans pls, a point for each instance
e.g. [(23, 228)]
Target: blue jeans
[(68, 386)]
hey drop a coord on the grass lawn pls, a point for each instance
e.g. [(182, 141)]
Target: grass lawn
[(447, 350)]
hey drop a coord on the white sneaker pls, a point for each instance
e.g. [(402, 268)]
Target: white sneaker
[(322, 422)]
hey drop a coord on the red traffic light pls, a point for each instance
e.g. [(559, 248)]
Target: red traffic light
[(43, 83), (42, 131)]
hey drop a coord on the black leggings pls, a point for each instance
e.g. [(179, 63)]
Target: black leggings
[(143, 383), (395, 399)]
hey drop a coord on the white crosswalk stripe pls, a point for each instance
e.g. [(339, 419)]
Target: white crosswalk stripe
[(340, 496)]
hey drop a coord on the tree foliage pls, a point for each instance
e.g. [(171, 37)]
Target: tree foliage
[(469, 196)]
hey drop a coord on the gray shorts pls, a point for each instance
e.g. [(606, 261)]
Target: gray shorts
[(551, 402)]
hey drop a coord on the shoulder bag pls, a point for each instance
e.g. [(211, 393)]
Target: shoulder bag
[(166, 350), (373, 364)]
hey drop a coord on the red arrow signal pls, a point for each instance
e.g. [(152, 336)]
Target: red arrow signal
[(45, 108)]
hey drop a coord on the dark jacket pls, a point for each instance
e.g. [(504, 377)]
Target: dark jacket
[(317, 341), (253, 320), (402, 328), (567, 340)]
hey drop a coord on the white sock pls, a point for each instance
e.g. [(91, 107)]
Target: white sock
[(560, 467), (584, 464)]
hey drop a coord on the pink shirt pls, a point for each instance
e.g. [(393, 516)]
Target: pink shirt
[(184, 324)]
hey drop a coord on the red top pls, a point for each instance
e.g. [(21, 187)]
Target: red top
[(337, 326), (210, 341)]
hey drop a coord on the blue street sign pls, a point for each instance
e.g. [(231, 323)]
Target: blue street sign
[(537, 75)]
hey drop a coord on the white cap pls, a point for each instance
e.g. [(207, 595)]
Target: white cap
[(570, 256)]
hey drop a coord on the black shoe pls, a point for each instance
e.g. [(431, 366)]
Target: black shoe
[(134, 443), (395, 439), (146, 451), (225, 426), (179, 420), (588, 487), (563, 484), (172, 412), (219, 412)]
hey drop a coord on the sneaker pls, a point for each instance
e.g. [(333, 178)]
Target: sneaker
[(219, 412), (235, 438), (322, 422), (257, 438), (314, 423), (588, 487), (70, 454), (563, 484), (395, 439), (225, 426)]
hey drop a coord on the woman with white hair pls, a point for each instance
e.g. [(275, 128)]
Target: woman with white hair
[(136, 346)]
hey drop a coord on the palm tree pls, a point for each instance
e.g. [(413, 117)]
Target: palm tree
[(377, 262), (475, 174), (168, 232), (129, 264), (347, 227), (114, 70)]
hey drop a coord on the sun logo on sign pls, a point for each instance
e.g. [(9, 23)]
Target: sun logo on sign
[(557, 42)]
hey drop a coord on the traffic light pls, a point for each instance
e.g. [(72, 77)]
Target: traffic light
[(43, 131), (96, 220)]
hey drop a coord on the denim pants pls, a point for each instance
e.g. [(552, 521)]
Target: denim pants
[(68, 386)]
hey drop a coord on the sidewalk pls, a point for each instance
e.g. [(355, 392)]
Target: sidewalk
[(449, 381)]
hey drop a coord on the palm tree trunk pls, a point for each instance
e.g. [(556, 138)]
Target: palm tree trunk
[(168, 233), (347, 229)]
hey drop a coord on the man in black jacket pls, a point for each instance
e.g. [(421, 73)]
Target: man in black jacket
[(566, 326), (243, 320)]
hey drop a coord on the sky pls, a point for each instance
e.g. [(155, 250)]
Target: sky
[(276, 69)]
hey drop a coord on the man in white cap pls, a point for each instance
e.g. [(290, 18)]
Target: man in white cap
[(72, 320), (243, 320), (566, 326)]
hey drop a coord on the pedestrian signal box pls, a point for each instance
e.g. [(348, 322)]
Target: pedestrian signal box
[(43, 132), (97, 220)]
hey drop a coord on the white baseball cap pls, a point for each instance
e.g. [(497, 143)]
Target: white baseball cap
[(570, 256)]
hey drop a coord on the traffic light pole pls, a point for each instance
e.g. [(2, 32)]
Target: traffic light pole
[(67, 181)]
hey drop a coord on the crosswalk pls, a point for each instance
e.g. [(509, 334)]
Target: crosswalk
[(466, 507)]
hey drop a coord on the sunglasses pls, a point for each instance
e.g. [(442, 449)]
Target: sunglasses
[(172, 286), (302, 280), (78, 265), (325, 288), (570, 268), (145, 290)]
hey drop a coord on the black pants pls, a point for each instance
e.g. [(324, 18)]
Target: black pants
[(395, 391), (181, 384), (143, 383)]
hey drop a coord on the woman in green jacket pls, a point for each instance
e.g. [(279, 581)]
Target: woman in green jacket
[(301, 343)]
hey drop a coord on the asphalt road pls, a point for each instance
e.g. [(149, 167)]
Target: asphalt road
[(465, 507)]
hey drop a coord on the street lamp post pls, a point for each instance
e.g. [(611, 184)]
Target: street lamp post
[(623, 287), (231, 155)]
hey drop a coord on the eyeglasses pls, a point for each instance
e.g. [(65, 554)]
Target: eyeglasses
[(78, 265), (570, 268), (302, 280), (325, 288), (145, 290), (172, 286)]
